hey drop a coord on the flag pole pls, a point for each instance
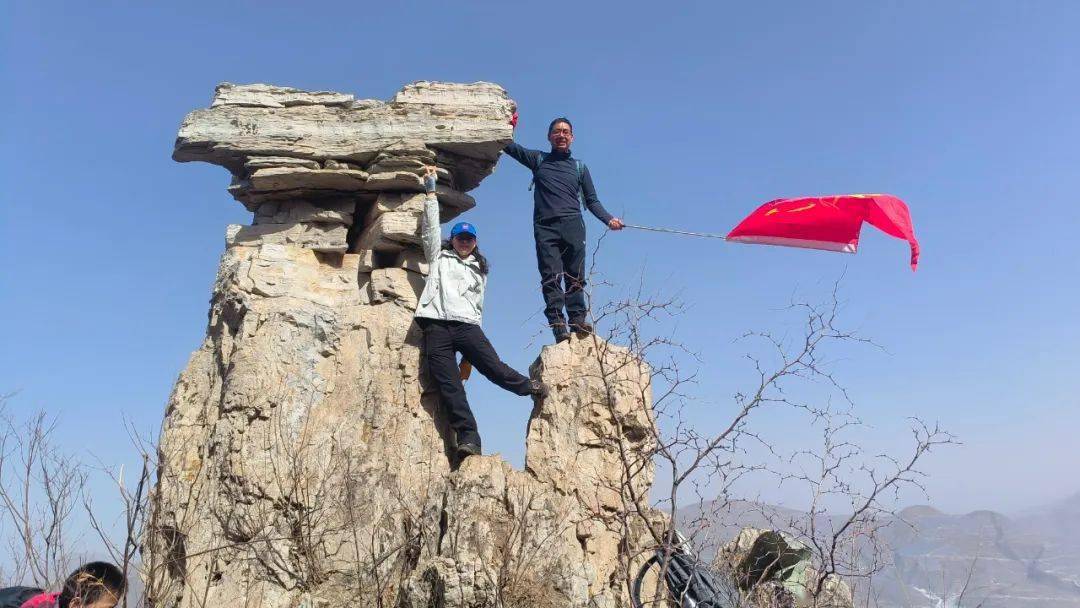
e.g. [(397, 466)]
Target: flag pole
[(674, 231)]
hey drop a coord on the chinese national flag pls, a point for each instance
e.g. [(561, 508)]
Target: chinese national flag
[(827, 222)]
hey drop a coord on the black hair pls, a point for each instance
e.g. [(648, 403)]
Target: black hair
[(557, 121), (480, 259), (91, 582)]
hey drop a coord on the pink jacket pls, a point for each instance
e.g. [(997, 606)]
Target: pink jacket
[(42, 600)]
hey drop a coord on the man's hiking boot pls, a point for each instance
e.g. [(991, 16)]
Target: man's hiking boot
[(538, 389), (581, 327), (560, 332), (464, 450)]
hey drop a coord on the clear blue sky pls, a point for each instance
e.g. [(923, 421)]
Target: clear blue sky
[(688, 117)]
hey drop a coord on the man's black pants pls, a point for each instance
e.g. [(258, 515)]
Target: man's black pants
[(442, 341), (560, 255)]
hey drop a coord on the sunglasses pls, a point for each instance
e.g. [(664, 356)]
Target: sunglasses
[(467, 238)]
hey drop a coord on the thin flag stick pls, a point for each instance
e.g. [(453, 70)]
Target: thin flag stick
[(673, 231)]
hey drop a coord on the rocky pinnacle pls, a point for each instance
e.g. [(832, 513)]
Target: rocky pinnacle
[(304, 459)]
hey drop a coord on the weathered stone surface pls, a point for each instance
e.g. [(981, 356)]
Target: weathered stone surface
[(391, 232), (451, 204), (285, 212), (467, 124), (367, 261), (575, 439), (387, 202), (302, 397), (262, 162), (387, 163), (316, 236), (364, 104), (406, 151), (563, 548), (396, 285), (410, 259), (336, 164), (500, 521), (297, 183), (304, 455), (301, 178), (269, 96), (396, 180), (307, 398), (390, 164), (449, 96)]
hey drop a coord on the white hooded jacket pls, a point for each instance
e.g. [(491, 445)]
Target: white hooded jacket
[(455, 286)]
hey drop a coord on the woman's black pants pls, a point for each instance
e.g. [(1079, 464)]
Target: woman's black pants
[(442, 340)]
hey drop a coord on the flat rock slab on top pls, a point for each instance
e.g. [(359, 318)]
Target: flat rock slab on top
[(270, 96), (469, 122)]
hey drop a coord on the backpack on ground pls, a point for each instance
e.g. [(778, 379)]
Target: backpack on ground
[(15, 597)]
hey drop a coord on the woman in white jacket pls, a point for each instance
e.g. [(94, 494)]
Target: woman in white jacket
[(449, 312)]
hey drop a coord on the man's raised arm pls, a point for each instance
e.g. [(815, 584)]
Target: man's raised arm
[(525, 156)]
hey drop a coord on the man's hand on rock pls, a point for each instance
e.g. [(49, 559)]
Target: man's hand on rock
[(615, 224), (430, 179)]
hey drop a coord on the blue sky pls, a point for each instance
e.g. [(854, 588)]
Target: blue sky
[(689, 117)]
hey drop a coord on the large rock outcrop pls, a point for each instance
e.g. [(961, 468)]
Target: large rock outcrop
[(304, 459), (772, 569)]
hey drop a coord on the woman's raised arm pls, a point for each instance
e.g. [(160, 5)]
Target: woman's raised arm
[(429, 221)]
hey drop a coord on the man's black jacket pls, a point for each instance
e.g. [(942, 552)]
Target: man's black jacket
[(556, 177)]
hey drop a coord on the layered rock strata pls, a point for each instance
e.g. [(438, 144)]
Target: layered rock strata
[(307, 162), (303, 458)]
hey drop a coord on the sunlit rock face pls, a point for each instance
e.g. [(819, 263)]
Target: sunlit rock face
[(304, 460)]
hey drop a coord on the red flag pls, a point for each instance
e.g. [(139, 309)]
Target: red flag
[(827, 222)]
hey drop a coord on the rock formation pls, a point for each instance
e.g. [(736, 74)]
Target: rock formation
[(303, 458), (774, 570)]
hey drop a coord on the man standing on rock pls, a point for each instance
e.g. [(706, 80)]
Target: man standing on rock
[(561, 184)]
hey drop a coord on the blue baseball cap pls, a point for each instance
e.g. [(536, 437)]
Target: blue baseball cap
[(463, 228)]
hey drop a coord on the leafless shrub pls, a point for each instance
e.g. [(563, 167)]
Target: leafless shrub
[(845, 543), (40, 487), (122, 538), (849, 544)]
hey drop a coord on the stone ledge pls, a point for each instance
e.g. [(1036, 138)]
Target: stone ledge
[(391, 232), (397, 285), (466, 125), (270, 96), (288, 212), (315, 236)]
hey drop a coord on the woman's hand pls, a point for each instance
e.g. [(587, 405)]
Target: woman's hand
[(430, 179)]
